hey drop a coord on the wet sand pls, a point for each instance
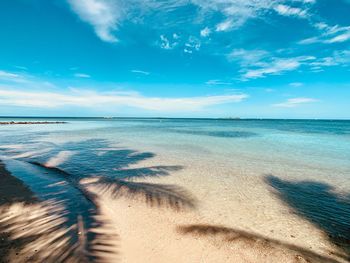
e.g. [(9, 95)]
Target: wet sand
[(138, 221)]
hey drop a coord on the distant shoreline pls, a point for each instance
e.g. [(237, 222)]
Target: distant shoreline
[(172, 118), (31, 122)]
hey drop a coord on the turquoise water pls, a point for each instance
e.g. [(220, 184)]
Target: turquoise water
[(321, 145), (256, 167)]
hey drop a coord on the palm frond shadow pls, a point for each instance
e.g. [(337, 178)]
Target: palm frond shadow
[(160, 195), (253, 241), (318, 203), (43, 232), (67, 225), (39, 232), (53, 230), (113, 168)]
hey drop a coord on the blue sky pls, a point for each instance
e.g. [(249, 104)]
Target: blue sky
[(176, 58)]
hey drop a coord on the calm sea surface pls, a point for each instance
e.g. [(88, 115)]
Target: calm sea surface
[(323, 146)]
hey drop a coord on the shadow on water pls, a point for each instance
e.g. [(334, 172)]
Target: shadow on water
[(319, 204), (95, 157), (268, 246), (111, 169), (65, 223)]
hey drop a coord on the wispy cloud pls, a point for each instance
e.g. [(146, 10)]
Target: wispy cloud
[(8, 75), (337, 58), (345, 36), (260, 63), (328, 34), (275, 66), (225, 25), (295, 102), (12, 77), (111, 100), (286, 10), (137, 71), (192, 44), (247, 57), (103, 15), (205, 32), (106, 16), (217, 82), (296, 84), (167, 42), (236, 12), (21, 67), (82, 75)]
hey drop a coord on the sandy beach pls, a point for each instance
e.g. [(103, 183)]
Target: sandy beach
[(133, 222)]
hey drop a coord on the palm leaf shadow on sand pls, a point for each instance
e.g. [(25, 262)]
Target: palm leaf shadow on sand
[(159, 195), (256, 242), (79, 229), (35, 230), (318, 203), (111, 167)]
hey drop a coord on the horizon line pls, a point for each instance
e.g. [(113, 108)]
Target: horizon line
[(193, 118)]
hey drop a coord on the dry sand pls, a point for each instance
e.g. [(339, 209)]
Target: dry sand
[(147, 222)]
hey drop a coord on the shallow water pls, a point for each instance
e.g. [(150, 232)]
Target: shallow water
[(275, 177)]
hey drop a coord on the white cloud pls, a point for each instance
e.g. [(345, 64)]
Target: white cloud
[(205, 32), (320, 25), (309, 40), (217, 82), (103, 15), (192, 44), (111, 100), (296, 84), (247, 57), (337, 58), (294, 102), (275, 66), (25, 80), (12, 77), (260, 63), (82, 75), (140, 72), (286, 10), (21, 67), (225, 25), (188, 45), (106, 15), (329, 34), (340, 38), (235, 12), (8, 75), (166, 43)]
